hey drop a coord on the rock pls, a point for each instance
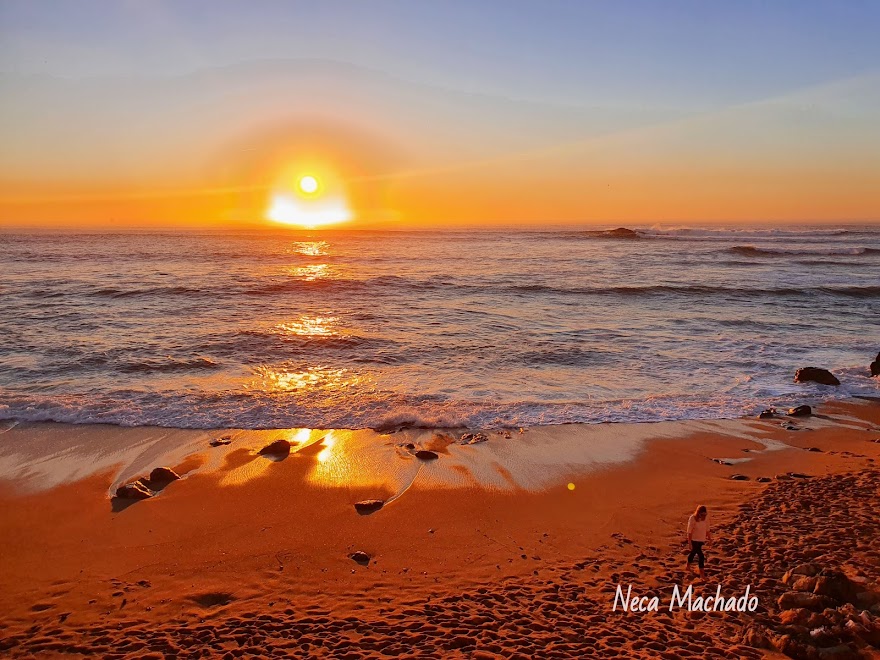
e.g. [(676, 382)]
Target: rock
[(426, 455), (756, 637), (278, 449), (621, 232), (218, 442), (804, 583), (472, 438), (815, 375), (800, 411), (763, 480), (133, 491), (818, 620), (795, 617), (739, 477), (835, 585), (812, 569), (360, 557), (767, 414), (368, 506), (798, 475), (161, 477), (799, 599), (839, 652), (875, 366), (782, 477), (790, 647)]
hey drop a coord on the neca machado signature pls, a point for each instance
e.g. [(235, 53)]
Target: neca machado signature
[(633, 603)]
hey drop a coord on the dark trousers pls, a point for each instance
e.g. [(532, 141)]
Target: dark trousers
[(697, 551)]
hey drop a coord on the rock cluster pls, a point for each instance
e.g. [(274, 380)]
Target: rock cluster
[(824, 614), (825, 599), (146, 487)]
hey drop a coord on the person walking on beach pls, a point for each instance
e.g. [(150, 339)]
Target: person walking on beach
[(698, 534)]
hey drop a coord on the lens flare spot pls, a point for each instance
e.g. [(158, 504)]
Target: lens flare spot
[(571, 486)]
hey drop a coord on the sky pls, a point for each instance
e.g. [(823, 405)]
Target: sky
[(207, 113)]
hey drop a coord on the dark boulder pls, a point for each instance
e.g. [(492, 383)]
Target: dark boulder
[(815, 375), (367, 507), (360, 557), (161, 477), (836, 585), (875, 366), (763, 480), (621, 232), (739, 477), (218, 442), (133, 491), (767, 414), (278, 449), (427, 455), (800, 411)]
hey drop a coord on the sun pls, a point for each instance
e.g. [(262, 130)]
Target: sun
[(308, 184), (304, 197)]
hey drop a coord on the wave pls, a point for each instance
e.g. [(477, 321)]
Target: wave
[(258, 410), (170, 364), (701, 290), (754, 251), (792, 235), (768, 233), (111, 292)]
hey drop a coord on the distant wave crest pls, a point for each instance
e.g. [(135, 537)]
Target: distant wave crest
[(755, 251)]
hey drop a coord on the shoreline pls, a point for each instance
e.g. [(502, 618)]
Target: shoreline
[(249, 555), (39, 455)]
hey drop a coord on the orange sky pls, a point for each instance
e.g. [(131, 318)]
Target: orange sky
[(402, 155)]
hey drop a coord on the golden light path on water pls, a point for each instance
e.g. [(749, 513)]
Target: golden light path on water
[(309, 326), (310, 248)]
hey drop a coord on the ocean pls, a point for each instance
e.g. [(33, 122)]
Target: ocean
[(453, 328)]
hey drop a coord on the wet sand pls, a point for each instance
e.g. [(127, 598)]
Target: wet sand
[(485, 551)]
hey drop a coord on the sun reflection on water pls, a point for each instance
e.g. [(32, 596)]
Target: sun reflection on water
[(312, 272), (309, 326), (268, 379), (311, 248)]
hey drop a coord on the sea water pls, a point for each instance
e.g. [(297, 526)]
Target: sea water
[(454, 328)]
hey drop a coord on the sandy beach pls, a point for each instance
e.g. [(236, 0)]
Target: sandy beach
[(513, 546)]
